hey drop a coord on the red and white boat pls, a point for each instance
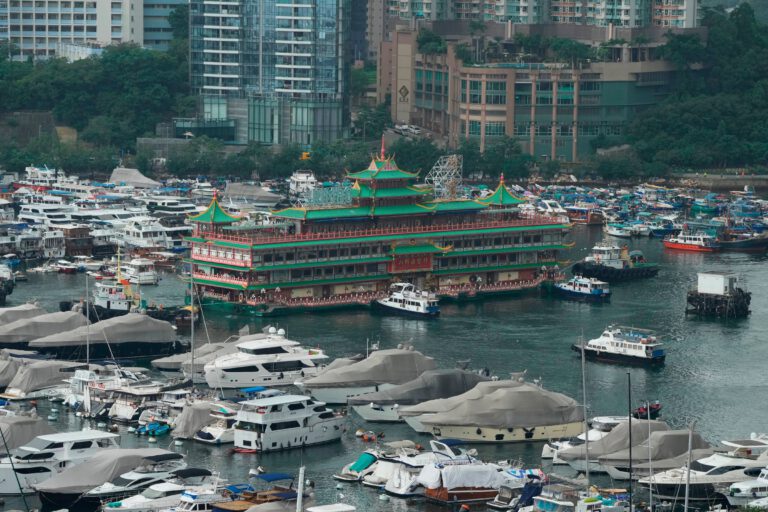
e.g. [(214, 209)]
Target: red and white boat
[(588, 214), (698, 242)]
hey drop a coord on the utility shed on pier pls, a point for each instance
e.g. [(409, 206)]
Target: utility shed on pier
[(717, 283)]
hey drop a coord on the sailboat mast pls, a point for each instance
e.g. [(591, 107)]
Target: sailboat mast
[(88, 325), (584, 398), (192, 319), (629, 408), (650, 459)]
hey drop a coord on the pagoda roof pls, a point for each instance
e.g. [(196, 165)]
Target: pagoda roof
[(501, 196), (383, 169), (366, 191), (214, 214), (347, 212)]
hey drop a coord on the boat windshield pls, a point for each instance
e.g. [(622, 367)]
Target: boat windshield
[(698, 466)]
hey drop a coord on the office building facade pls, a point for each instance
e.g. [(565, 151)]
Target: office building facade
[(274, 72)]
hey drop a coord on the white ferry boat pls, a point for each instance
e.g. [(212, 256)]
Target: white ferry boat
[(141, 271), (584, 288), (46, 455), (404, 298), (270, 361), (628, 345), (284, 422)]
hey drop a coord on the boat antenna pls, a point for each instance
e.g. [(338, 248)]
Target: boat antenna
[(87, 325), (584, 399), (688, 466), (16, 475), (192, 319), (629, 407)]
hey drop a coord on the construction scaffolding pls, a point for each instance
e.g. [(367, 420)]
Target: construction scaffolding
[(445, 177)]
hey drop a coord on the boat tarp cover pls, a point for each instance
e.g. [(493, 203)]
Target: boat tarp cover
[(201, 361), (27, 329), (673, 462), (175, 361), (35, 375), (103, 467), (382, 473), (132, 177), (483, 476), (427, 386), (615, 440), (446, 404), (394, 366), (133, 327), (192, 418), (527, 405), (10, 315), (663, 444), (250, 193), (19, 430), (9, 366), (363, 462)]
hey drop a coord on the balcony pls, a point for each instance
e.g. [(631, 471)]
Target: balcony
[(222, 278)]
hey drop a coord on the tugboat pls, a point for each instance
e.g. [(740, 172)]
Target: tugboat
[(744, 241), (627, 345), (698, 242), (584, 288), (404, 298), (610, 263)]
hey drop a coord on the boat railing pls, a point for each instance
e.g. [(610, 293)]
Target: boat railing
[(532, 220)]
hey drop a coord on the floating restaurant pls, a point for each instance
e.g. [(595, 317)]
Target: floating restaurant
[(390, 230)]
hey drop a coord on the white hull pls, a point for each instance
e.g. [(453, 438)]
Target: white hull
[(415, 423), (286, 439), (581, 465), (220, 435), (8, 484), (386, 413), (496, 435), (340, 395), (122, 412), (219, 379)]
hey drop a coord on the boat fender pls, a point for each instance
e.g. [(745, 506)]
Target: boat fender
[(479, 431), (529, 432), (302, 373), (510, 430)]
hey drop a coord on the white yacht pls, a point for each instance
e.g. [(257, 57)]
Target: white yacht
[(163, 495), (284, 422), (222, 431), (153, 469), (710, 477), (48, 215), (53, 244), (199, 500), (742, 493), (404, 298), (143, 232), (141, 271), (46, 455), (270, 361), (168, 205)]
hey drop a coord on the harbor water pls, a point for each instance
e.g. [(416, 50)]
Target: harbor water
[(715, 371)]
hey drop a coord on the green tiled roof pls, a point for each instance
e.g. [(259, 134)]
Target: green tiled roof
[(365, 191), (502, 197), (418, 249), (382, 169), (214, 214)]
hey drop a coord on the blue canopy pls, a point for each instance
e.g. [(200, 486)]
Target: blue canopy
[(288, 495), (239, 488), (254, 389), (274, 477)]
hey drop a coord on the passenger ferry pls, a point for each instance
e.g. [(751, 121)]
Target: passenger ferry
[(698, 242), (389, 229), (283, 422), (584, 288), (271, 361), (404, 298), (624, 345), (141, 271)]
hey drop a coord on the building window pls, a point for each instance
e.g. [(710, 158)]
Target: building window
[(474, 127), (496, 93), (475, 95), (495, 128)]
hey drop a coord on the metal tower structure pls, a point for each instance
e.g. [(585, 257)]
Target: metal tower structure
[(445, 176)]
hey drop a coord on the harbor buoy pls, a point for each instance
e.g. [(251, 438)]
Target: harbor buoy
[(359, 432), (152, 439), (131, 429), (79, 414), (384, 497), (339, 486), (179, 442), (54, 410)]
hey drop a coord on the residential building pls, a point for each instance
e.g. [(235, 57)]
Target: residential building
[(676, 13), (40, 28), (554, 110), (270, 72)]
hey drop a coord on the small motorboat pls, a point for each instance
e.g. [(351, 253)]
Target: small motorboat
[(19, 276), (641, 413), (697, 242), (584, 288), (405, 299), (617, 230), (66, 267)]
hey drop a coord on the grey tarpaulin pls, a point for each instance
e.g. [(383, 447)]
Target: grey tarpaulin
[(427, 386), (524, 406), (663, 444), (27, 329), (446, 404), (192, 418), (132, 177), (615, 440), (133, 327), (174, 362), (36, 375), (103, 467), (8, 315), (394, 366), (19, 430)]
